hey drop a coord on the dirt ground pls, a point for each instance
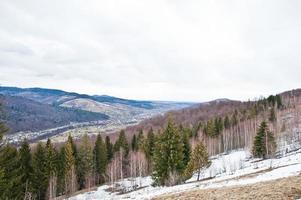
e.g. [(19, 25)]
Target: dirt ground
[(280, 189)]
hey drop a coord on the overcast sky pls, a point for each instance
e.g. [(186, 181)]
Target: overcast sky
[(161, 50)]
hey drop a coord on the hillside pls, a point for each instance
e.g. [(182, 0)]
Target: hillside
[(39, 113), (28, 115), (236, 171), (233, 165), (245, 115)]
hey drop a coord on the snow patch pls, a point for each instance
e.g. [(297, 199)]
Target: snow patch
[(235, 168)]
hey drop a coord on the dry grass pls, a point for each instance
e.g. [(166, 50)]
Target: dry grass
[(280, 189)]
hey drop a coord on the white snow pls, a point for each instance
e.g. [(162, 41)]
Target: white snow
[(226, 170)]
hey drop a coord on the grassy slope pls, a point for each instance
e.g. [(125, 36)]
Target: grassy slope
[(280, 189)]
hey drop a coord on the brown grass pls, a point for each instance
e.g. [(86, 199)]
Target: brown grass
[(280, 189)]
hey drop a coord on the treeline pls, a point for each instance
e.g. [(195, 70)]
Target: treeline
[(46, 171)]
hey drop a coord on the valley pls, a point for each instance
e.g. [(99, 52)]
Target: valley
[(37, 114)]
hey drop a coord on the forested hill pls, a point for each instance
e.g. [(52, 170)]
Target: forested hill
[(232, 112), (28, 115), (37, 109)]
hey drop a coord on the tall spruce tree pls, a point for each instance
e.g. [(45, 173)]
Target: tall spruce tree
[(26, 168), (141, 140), (264, 142), (70, 171), (186, 146), (109, 147), (168, 157), (122, 143), (134, 143), (100, 158), (52, 168), (40, 177), (11, 186), (61, 171), (199, 160), (85, 164), (150, 144)]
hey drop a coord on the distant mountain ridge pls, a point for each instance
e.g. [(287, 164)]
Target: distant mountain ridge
[(27, 115), (37, 109)]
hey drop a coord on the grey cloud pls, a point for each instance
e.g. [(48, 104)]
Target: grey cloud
[(170, 50)]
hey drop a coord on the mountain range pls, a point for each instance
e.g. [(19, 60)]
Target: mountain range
[(38, 109)]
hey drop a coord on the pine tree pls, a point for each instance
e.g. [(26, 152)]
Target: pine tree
[(134, 143), (26, 168), (150, 144), (122, 143), (109, 149), (168, 157), (52, 165), (85, 166), (100, 159), (199, 160), (186, 147), (141, 140), (40, 177), (76, 158), (70, 174), (61, 171), (264, 142), (11, 174), (279, 101)]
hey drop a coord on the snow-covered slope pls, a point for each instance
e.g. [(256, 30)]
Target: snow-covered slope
[(235, 168)]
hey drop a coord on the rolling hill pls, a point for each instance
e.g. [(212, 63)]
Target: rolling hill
[(37, 109)]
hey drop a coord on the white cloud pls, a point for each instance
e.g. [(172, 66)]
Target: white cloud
[(169, 50)]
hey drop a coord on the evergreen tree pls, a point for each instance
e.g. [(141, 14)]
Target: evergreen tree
[(85, 164), (150, 144), (199, 160), (76, 159), (264, 142), (186, 147), (100, 159), (134, 143), (168, 157), (109, 149), (141, 141), (11, 183), (122, 143), (70, 174), (271, 100), (26, 168), (52, 164), (40, 177), (279, 101), (61, 171)]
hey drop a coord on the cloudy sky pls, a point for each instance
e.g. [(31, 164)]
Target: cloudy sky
[(164, 50)]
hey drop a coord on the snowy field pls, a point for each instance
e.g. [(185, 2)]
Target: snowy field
[(235, 168)]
